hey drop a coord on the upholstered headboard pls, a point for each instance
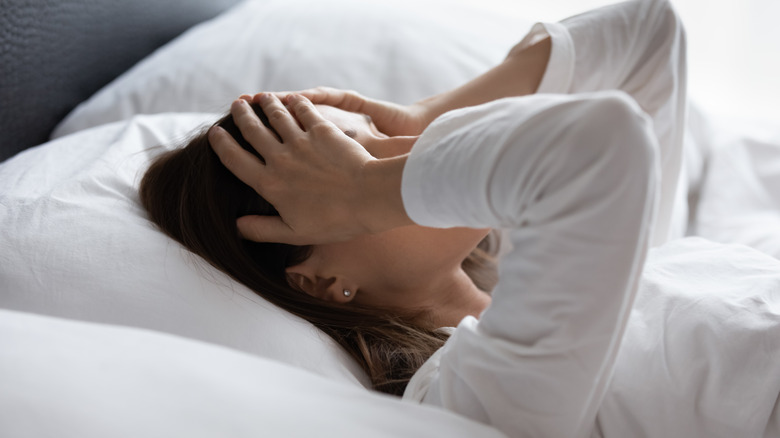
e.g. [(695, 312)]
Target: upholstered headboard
[(56, 53)]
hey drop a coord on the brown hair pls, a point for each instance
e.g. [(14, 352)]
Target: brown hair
[(194, 199)]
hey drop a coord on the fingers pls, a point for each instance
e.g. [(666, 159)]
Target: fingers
[(344, 99), (242, 163), (252, 129), (266, 229), (279, 116), (305, 112)]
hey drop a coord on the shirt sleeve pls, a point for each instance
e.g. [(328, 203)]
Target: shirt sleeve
[(637, 47), (573, 179)]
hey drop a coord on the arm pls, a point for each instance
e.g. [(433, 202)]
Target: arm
[(636, 46), (572, 177), (518, 75), (573, 180)]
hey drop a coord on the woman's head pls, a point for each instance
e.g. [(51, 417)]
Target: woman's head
[(192, 197)]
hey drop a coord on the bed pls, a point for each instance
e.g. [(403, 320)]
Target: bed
[(109, 328)]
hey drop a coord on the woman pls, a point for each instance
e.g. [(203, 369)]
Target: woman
[(583, 182)]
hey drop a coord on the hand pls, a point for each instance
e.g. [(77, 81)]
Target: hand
[(390, 118), (323, 184)]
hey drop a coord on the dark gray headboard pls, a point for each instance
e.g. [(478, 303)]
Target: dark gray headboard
[(56, 53)]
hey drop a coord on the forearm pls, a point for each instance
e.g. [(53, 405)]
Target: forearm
[(571, 179), (518, 75), (637, 47)]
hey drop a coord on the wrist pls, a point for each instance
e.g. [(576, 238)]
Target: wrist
[(428, 109), (381, 207)]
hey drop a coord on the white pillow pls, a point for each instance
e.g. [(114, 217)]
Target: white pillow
[(399, 50), (76, 243), (74, 379)]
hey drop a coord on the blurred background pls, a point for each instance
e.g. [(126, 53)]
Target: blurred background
[(733, 50)]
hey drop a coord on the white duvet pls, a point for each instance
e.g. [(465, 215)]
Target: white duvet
[(702, 346), (75, 244)]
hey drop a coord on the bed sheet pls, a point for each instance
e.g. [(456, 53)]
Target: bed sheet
[(700, 352)]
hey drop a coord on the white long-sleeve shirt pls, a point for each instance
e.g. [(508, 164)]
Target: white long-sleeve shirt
[(638, 47), (577, 201), (571, 178), (700, 349)]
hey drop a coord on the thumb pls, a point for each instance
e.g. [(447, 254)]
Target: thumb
[(266, 229)]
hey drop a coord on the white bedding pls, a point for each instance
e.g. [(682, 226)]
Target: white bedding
[(702, 346), (65, 378), (76, 244), (739, 199)]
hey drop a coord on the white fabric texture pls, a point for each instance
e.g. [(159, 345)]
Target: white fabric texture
[(701, 351), (398, 50), (77, 244), (539, 360), (739, 194), (637, 47), (72, 379), (703, 340), (520, 367)]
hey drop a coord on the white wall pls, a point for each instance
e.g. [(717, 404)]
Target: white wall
[(733, 49)]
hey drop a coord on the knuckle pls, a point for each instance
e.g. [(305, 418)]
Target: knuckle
[(352, 100), (252, 123), (246, 121), (268, 188), (301, 107), (277, 114), (229, 158), (321, 128), (259, 188)]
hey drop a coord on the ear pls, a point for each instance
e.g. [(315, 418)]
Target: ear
[(341, 290)]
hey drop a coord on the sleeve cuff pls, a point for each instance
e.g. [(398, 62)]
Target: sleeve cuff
[(413, 179), (560, 68)]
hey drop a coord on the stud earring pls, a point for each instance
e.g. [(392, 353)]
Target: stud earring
[(347, 293)]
